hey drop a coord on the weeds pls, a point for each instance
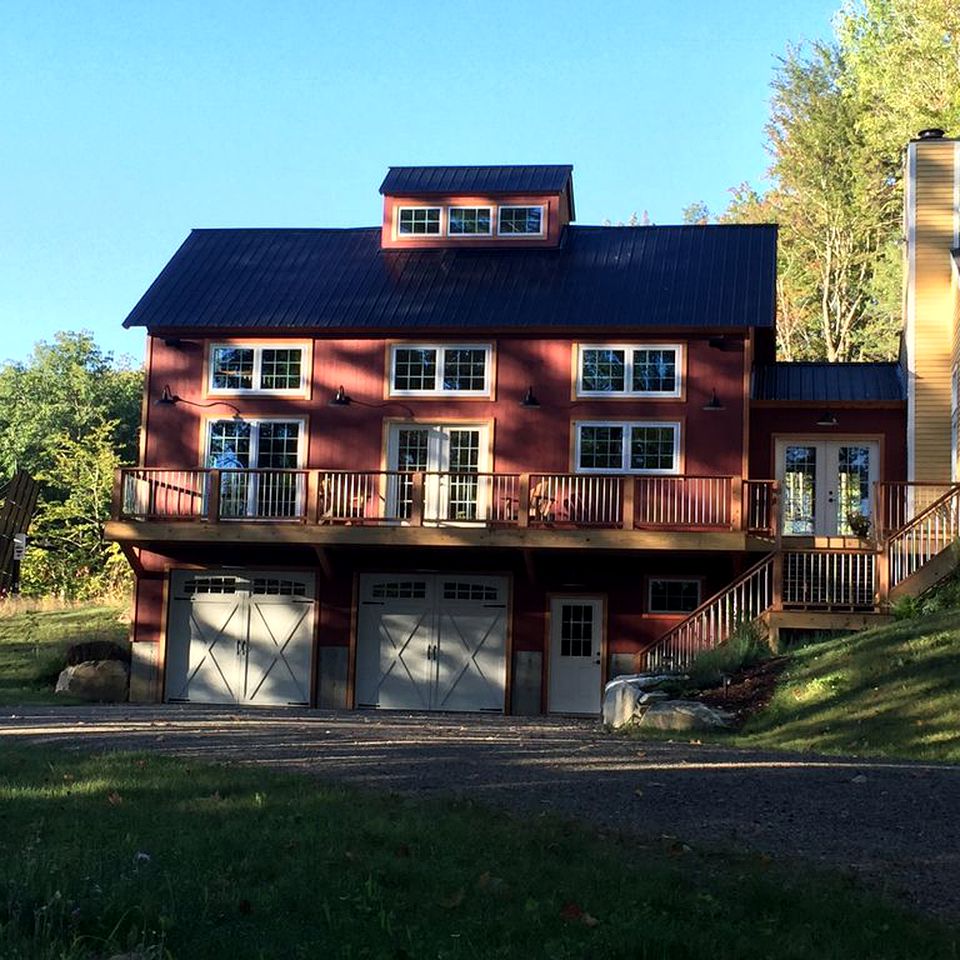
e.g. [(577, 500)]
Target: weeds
[(745, 647)]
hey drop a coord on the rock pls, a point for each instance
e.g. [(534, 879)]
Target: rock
[(97, 650), (104, 680), (683, 715), (624, 696)]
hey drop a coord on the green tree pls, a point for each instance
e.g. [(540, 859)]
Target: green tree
[(69, 415)]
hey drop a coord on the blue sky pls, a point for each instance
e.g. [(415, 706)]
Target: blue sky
[(125, 124)]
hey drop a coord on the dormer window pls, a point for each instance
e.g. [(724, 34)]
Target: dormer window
[(469, 221), (419, 221), (521, 220)]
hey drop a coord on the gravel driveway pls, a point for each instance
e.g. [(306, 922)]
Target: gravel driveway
[(895, 824)]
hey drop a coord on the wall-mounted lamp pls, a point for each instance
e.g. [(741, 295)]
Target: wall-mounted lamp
[(529, 399), (827, 419), (340, 398), (714, 402), (168, 398)]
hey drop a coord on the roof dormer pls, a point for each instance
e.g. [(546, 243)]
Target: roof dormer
[(516, 206)]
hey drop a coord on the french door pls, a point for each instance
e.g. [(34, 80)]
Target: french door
[(451, 456), (826, 485), (251, 453)]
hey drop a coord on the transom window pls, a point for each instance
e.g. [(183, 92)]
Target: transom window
[(237, 369), (422, 221), (521, 220), (463, 221), (673, 595), (628, 447), (629, 370), (431, 370)]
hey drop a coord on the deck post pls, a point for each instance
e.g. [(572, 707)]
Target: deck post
[(116, 497), (213, 496), (417, 488), (736, 503), (883, 576), (523, 503), (777, 599), (311, 513), (628, 515)]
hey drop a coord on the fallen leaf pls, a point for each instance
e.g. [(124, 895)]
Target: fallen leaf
[(859, 778), (638, 792), (114, 799), (589, 921), (571, 911)]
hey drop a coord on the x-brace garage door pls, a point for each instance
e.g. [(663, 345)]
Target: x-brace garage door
[(237, 638), (432, 642)]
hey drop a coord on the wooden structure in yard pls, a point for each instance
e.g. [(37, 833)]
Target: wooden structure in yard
[(18, 500)]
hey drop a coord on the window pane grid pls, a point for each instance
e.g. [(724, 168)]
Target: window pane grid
[(524, 220), (674, 596), (415, 369), (651, 448), (232, 368), (419, 220), (468, 220), (630, 447), (630, 371), (655, 371), (464, 369), (603, 370), (576, 630), (280, 369), (252, 368), (464, 459), (439, 369), (601, 448)]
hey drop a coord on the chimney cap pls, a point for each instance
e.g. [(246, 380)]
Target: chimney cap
[(932, 133)]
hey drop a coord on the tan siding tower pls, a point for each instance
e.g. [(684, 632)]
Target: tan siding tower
[(933, 223)]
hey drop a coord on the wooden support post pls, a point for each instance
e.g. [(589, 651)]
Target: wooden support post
[(417, 488), (523, 505), (736, 503), (213, 496), (773, 512), (312, 512), (629, 513), (777, 579), (883, 577), (116, 499)]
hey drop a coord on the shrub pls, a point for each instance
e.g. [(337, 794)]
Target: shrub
[(745, 647)]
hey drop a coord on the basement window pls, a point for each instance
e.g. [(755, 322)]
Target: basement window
[(673, 595)]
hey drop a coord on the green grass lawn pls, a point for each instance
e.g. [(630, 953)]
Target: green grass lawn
[(33, 646), (893, 691), (165, 858)]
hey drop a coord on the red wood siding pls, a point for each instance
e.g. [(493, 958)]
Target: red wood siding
[(525, 439)]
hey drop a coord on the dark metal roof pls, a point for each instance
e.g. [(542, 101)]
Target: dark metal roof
[(828, 382), (698, 276), (413, 181)]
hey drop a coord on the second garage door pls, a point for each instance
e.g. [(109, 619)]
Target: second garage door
[(432, 642)]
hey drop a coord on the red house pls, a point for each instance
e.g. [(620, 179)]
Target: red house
[(481, 458)]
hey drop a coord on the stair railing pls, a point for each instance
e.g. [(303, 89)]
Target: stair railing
[(926, 535), (714, 621)]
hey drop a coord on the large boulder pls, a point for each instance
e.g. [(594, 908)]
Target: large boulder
[(103, 680), (683, 715), (626, 696)]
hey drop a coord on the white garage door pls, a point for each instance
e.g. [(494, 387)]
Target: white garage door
[(432, 642), (235, 638)]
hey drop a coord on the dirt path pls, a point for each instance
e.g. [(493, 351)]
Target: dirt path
[(894, 824)]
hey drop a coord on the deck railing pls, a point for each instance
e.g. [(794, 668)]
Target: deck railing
[(541, 500), (927, 534), (829, 579), (688, 501), (900, 502), (713, 622)]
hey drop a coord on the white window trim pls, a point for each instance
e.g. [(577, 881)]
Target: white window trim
[(487, 348), (255, 438), (419, 206), (258, 348), (523, 206), (672, 613), (627, 426), (462, 236), (628, 349)]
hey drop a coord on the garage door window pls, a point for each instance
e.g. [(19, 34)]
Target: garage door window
[(279, 588), (210, 585), (400, 590)]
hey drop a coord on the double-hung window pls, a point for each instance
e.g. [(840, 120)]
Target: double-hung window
[(241, 368), (629, 370), (432, 370), (627, 447)]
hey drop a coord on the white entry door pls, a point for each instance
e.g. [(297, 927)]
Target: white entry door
[(240, 638), (451, 456), (432, 642), (825, 483), (576, 654)]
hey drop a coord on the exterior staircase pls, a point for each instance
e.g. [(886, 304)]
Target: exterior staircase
[(821, 589), (18, 500)]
